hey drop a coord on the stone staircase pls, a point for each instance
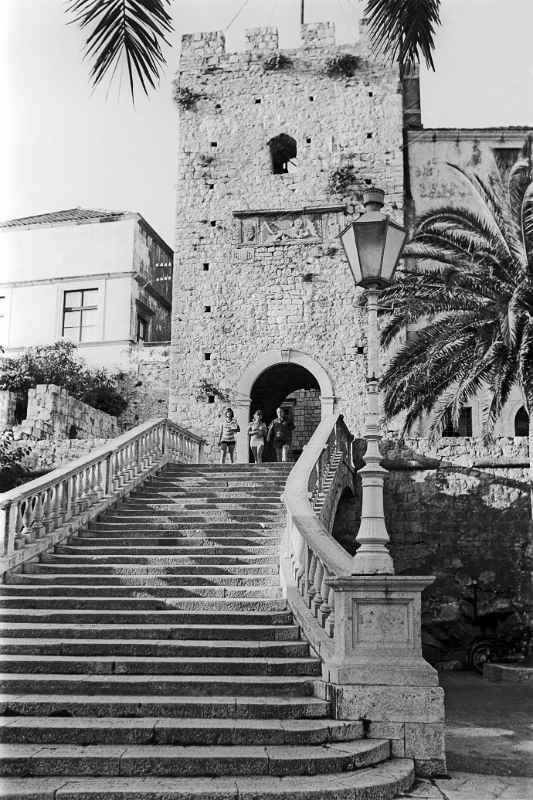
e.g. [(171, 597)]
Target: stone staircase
[(152, 656)]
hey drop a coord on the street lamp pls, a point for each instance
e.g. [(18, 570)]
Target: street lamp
[(372, 244)]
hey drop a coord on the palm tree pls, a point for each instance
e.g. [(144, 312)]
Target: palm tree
[(472, 298), (404, 30), (124, 31)]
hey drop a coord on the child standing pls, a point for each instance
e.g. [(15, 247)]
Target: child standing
[(257, 431), (226, 440)]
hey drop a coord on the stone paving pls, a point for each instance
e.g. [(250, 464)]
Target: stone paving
[(489, 742)]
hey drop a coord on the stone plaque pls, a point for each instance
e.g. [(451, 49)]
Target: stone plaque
[(281, 229), (382, 622)]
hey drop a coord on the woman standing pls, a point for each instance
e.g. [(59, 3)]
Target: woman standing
[(257, 431)]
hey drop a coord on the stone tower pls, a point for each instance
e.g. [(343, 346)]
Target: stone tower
[(275, 149)]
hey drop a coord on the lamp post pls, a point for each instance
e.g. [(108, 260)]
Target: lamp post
[(372, 244)]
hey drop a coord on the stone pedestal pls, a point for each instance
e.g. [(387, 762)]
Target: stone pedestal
[(378, 674)]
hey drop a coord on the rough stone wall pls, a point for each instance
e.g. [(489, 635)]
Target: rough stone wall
[(47, 455), (258, 262), (460, 512), (52, 413), (8, 402), (146, 385), (305, 410)]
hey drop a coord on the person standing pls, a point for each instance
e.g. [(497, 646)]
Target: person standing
[(280, 434), (257, 431), (226, 440)]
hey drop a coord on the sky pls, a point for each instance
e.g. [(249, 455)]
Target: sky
[(63, 144)]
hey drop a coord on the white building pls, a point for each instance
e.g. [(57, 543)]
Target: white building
[(101, 279)]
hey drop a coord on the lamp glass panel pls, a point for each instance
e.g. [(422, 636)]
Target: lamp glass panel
[(348, 242), (395, 239), (370, 239)]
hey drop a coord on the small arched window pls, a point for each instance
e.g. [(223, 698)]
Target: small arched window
[(282, 151), (521, 422)]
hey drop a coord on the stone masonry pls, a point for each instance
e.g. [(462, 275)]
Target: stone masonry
[(258, 266), (54, 414)]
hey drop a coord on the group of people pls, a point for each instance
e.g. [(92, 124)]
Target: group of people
[(278, 433)]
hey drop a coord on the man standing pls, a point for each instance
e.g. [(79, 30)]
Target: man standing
[(280, 434)]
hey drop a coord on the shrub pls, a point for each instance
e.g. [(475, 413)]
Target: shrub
[(341, 179), (12, 473), (205, 389), (277, 61), (344, 65), (185, 98), (57, 364)]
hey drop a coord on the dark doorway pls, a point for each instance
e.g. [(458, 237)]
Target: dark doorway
[(292, 387)]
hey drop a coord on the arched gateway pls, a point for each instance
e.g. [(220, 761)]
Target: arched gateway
[(269, 379)]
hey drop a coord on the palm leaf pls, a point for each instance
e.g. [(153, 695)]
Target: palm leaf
[(527, 225), (124, 30), (519, 179), (404, 29)]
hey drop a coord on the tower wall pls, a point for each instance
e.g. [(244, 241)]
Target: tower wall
[(276, 277)]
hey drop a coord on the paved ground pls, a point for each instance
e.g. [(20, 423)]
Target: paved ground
[(489, 741)]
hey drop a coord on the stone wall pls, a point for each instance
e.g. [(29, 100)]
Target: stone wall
[(54, 414), (460, 512), (258, 261), (8, 402), (47, 455), (146, 385), (305, 412)]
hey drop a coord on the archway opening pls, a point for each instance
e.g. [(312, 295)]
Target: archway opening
[(294, 388), (521, 422)]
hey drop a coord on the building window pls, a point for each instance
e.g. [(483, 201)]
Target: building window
[(521, 422), (464, 427), (142, 329), (80, 311), (282, 151)]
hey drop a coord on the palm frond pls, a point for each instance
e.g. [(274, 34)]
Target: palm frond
[(520, 178), (404, 29), (132, 30), (527, 225)]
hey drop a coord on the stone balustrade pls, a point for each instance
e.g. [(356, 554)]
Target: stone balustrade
[(41, 513), (366, 629)]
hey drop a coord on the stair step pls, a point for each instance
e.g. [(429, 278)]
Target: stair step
[(168, 731), (129, 665), (147, 539), (129, 705), (153, 560), (57, 570), (382, 782), (104, 550), (128, 611), (158, 648), (114, 585), (14, 606), (193, 761), (185, 685)]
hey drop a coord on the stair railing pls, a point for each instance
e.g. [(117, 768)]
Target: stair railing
[(310, 557), (41, 513)]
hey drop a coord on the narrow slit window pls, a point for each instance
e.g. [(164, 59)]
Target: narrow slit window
[(207, 356), (206, 266)]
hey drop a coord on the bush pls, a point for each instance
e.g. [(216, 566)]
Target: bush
[(58, 364), (341, 179), (344, 65), (12, 473), (185, 98), (276, 61)]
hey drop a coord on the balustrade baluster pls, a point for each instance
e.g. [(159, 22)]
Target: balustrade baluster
[(317, 583), (324, 610), (311, 591), (329, 625)]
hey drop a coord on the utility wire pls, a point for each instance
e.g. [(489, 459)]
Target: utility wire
[(230, 23)]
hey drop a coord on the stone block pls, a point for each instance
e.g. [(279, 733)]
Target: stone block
[(424, 741), (390, 703)]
